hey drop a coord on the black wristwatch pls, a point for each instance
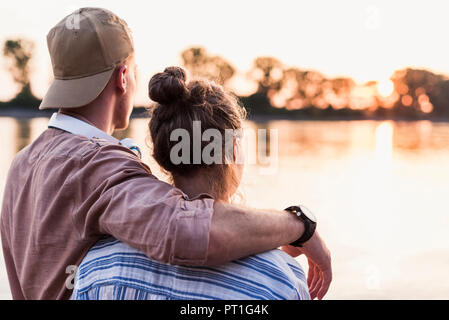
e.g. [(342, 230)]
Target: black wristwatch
[(309, 220)]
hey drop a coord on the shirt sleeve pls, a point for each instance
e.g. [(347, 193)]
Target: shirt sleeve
[(114, 193)]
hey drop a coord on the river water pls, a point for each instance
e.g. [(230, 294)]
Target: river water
[(379, 190)]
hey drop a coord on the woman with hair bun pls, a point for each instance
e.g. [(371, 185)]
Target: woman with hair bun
[(113, 270)]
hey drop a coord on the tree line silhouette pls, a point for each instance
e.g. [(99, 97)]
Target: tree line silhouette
[(283, 91), (19, 53)]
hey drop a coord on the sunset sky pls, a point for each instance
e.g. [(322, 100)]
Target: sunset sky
[(366, 40)]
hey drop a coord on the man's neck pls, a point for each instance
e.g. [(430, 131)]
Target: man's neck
[(95, 120)]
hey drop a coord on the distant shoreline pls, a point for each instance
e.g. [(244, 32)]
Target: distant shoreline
[(29, 113), (141, 112)]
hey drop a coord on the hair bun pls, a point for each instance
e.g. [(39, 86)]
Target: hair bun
[(176, 72), (169, 86)]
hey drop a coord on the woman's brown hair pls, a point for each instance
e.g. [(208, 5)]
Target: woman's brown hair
[(178, 104)]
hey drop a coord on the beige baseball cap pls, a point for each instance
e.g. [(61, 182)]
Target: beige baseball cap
[(85, 48)]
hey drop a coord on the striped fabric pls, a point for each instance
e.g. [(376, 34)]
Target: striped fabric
[(114, 271)]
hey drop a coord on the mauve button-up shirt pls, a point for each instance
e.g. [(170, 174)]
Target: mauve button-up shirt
[(64, 192)]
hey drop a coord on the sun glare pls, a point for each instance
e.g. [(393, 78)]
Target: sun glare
[(385, 88)]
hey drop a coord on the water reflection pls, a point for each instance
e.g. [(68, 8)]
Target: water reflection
[(297, 137), (23, 134), (384, 142), (373, 186)]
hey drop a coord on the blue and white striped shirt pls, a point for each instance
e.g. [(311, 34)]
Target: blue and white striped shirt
[(114, 271)]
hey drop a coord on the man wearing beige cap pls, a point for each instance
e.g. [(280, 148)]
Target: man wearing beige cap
[(76, 183)]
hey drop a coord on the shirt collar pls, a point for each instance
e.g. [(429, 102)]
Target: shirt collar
[(79, 127)]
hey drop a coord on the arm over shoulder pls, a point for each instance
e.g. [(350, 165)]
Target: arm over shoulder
[(115, 193)]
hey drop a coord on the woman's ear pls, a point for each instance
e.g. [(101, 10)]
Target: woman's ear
[(121, 79)]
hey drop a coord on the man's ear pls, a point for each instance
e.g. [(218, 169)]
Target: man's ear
[(121, 79)]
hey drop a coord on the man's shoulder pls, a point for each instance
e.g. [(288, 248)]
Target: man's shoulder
[(109, 154), (110, 148), (55, 142), (54, 146)]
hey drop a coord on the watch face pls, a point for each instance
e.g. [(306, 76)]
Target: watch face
[(308, 213)]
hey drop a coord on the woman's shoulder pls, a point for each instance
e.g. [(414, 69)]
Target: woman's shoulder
[(273, 270), (274, 273), (108, 247), (280, 260)]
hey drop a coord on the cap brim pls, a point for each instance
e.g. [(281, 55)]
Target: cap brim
[(75, 93)]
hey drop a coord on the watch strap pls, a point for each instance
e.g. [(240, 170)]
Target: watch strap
[(309, 226)]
